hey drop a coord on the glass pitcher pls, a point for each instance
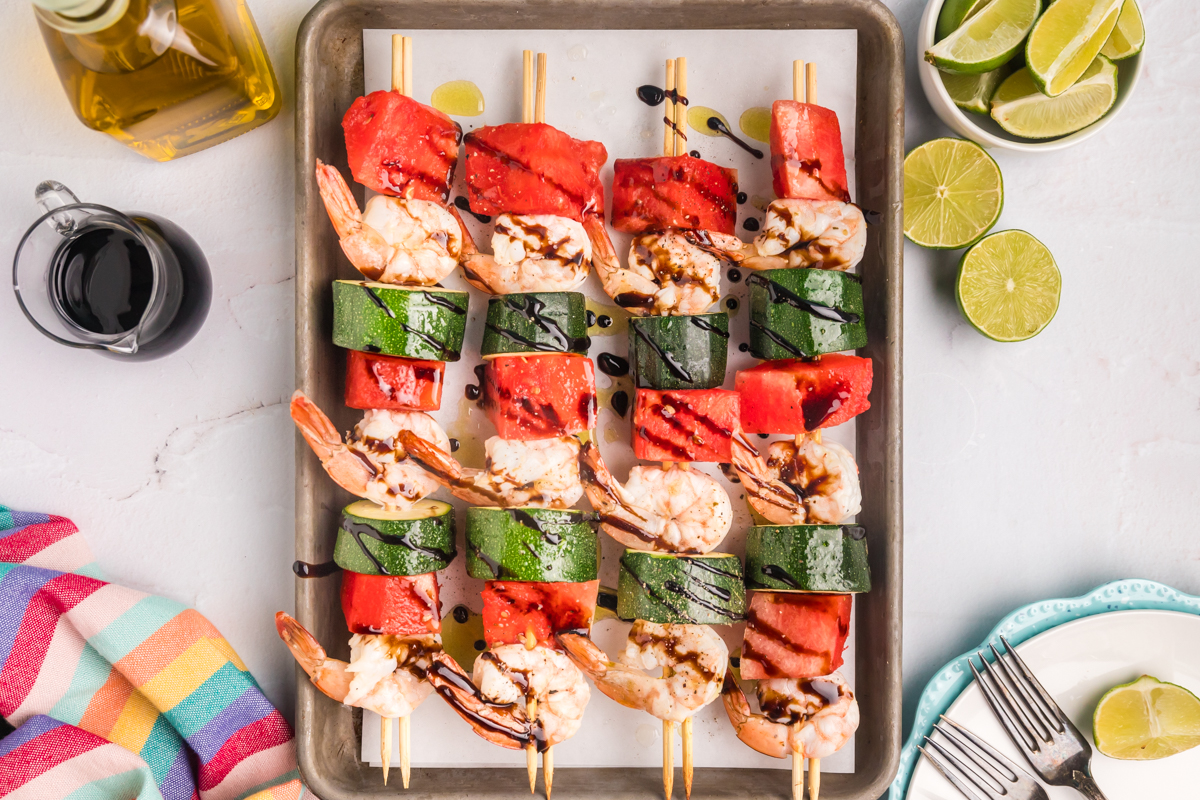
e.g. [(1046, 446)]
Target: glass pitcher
[(133, 286), (164, 77)]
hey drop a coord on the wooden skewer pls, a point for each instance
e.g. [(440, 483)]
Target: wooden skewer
[(681, 106), (669, 111), (531, 748), (408, 66), (810, 83), (814, 778), (398, 63), (385, 745), (527, 88), (686, 731), (548, 770), (798, 81), (405, 749), (668, 749), (539, 114), (797, 775)]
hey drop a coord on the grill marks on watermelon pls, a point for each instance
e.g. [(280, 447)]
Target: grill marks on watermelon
[(794, 635), (513, 608), (400, 147), (680, 192), (685, 425), (539, 397), (793, 395), (533, 168), (807, 161)]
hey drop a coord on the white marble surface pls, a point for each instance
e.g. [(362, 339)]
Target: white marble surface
[(1031, 470)]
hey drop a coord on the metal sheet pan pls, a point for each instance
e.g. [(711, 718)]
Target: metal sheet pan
[(329, 77)]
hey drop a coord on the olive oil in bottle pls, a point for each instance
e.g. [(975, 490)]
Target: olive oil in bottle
[(165, 77)]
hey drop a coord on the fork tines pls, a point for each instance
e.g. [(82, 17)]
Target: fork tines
[(975, 768)]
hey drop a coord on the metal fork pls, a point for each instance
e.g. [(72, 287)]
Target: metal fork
[(993, 774), (1051, 744)]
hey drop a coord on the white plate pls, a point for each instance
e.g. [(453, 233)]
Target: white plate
[(1077, 663)]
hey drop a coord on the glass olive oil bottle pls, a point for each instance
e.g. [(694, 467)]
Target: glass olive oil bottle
[(165, 77)]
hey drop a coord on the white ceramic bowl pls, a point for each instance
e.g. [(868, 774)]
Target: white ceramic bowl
[(983, 130)]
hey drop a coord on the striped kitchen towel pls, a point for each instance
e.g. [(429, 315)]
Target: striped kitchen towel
[(115, 693)]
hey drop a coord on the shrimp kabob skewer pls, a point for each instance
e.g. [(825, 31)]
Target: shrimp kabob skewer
[(801, 315), (537, 387), (399, 328)]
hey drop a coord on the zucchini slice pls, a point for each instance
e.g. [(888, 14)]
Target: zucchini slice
[(686, 352), (531, 544), (373, 541), (804, 312), (541, 322), (415, 323), (808, 558), (666, 588)]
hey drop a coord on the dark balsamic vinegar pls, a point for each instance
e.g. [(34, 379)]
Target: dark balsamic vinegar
[(103, 279)]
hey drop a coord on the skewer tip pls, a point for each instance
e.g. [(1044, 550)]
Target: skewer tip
[(385, 746), (814, 778)]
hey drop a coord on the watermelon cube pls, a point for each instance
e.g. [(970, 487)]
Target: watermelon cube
[(684, 425), (511, 609), (399, 605), (794, 634)]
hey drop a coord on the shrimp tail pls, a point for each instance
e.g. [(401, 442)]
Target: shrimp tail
[(612, 679), (604, 255), (586, 655), (339, 201), (347, 470), (755, 730), (476, 266), (328, 675), (774, 499), (504, 725), (444, 469), (760, 262)]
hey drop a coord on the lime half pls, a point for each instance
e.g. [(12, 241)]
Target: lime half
[(1129, 36), (953, 194), (1008, 286), (1019, 108), (954, 13), (988, 39), (974, 92), (1146, 719), (1066, 39)]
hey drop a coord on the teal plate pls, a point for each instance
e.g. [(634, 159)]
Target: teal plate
[(1022, 624)]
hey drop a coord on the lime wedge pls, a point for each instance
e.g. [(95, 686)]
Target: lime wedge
[(988, 39), (953, 193), (1146, 719), (1008, 286), (1129, 36), (1066, 39), (1019, 108), (974, 92), (954, 13)]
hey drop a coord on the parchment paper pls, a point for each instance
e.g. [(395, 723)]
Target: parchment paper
[(592, 78)]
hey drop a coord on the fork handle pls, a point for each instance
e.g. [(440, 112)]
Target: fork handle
[(1086, 786)]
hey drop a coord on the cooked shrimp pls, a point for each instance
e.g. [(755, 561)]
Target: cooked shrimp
[(535, 472), (513, 673), (810, 482), (386, 674), (531, 253), (674, 272), (695, 653), (827, 234), (503, 724), (812, 717), (397, 240), (662, 510), (371, 463)]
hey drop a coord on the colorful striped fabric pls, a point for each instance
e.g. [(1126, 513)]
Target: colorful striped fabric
[(115, 693)]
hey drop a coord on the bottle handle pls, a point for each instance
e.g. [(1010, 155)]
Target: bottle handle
[(51, 196)]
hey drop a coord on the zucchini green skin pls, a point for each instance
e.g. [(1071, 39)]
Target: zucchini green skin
[(531, 544), (395, 547), (786, 307), (686, 590), (686, 352), (541, 322), (410, 322), (808, 558)]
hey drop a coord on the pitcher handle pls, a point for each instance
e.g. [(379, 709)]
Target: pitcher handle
[(51, 196)]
